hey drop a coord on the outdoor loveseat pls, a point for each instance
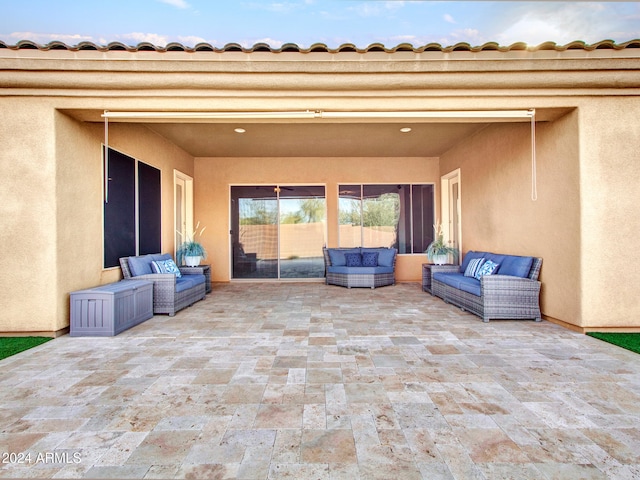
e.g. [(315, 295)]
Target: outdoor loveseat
[(173, 289), (510, 290), (360, 267)]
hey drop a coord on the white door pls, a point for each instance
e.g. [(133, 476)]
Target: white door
[(452, 208), (183, 207), (454, 211)]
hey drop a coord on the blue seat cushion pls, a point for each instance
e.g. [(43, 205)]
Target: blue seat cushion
[(516, 266), (159, 257), (336, 255), (449, 278), (386, 256), (359, 270), (471, 285), (188, 281), (470, 255), (496, 258), (140, 265), (459, 281)]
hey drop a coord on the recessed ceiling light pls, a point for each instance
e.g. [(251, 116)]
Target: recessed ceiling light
[(405, 129), (239, 130)]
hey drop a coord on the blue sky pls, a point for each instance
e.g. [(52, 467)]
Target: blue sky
[(305, 22)]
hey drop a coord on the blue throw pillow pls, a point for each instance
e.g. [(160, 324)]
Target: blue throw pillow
[(353, 259), (487, 268), (470, 255), (370, 259), (166, 266), (473, 267)]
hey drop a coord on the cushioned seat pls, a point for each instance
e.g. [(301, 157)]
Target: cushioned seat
[(173, 289), (189, 281), (459, 281), (491, 285), (360, 267), (360, 270)]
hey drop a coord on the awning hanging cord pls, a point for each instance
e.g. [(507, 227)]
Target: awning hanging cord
[(106, 158), (534, 179)]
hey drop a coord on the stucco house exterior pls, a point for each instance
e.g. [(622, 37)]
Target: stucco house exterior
[(521, 150)]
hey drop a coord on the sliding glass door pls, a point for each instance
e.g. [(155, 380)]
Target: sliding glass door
[(302, 231), (278, 231)]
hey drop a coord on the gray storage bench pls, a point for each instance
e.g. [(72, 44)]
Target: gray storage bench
[(107, 310)]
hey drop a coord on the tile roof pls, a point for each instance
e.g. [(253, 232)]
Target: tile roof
[(319, 47)]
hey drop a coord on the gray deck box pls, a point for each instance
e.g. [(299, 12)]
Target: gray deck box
[(107, 310)]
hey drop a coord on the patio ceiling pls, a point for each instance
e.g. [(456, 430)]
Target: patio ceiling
[(317, 137), (325, 140)]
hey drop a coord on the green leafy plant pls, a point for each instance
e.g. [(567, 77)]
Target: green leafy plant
[(439, 246), (190, 247)]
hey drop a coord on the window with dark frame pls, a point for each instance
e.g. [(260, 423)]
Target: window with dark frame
[(132, 208), (386, 215)]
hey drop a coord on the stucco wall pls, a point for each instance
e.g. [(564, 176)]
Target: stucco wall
[(499, 215), (28, 284), (52, 208), (214, 175), (609, 174), (79, 193)]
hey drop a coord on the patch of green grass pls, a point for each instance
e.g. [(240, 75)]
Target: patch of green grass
[(629, 341), (12, 345)]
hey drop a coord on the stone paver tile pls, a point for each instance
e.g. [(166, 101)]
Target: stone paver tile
[(328, 446), (304, 380), (279, 416), (163, 448)]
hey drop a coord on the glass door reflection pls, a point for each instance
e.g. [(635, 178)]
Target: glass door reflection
[(278, 231), (302, 231), (254, 231)]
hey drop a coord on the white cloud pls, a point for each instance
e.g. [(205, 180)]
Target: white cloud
[(135, 38), (272, 42), (398, 39), (561, 23), (44, 38), (471, 36), (176, 3), (191, 40), (377, 9), (448, 18)]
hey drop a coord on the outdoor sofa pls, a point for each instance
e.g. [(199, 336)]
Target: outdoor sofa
[(173, 289), (510, 291), (360, 267)]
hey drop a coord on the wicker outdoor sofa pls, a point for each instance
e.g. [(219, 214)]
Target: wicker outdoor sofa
[(511, 291), (171, 292), (373, 267)]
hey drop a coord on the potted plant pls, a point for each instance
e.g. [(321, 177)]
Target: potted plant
[(190, 251), (438, 251)]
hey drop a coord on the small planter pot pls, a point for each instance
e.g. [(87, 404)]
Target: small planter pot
[(192, 261), (440, 259)]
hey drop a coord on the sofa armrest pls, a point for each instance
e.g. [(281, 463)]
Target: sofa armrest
[(162, 282), (508, 286), (445, 269)]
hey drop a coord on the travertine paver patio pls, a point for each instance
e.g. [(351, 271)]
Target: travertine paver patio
[(312, 381)]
